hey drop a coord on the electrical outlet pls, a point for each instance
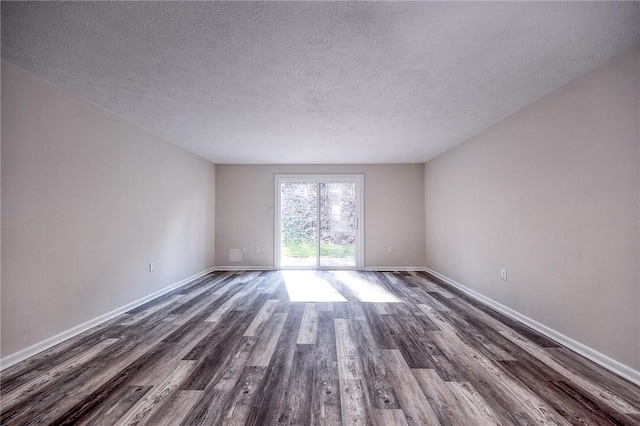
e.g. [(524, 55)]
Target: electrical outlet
[(503, 274), (244, 250), (152, 266), (390, 250), (257, 249)]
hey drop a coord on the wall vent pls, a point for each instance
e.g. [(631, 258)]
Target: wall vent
[(235, 255)]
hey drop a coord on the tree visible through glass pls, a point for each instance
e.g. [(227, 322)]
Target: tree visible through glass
[(300, 230)]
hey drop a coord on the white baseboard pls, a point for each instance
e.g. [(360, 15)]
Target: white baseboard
[(23, 354), (368, 268), (394, 268), (244, 268), (590, 353)]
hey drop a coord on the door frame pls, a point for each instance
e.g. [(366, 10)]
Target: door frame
[(356, 178)]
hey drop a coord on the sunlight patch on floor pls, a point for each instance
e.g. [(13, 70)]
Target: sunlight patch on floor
[(306, 286), (363, 289)]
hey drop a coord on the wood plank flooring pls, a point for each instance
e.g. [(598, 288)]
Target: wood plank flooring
[(231, 348)]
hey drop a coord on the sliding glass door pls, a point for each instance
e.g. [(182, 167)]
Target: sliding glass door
[(317, 225)]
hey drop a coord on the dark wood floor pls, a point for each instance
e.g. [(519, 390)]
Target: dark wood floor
[(231, 348)]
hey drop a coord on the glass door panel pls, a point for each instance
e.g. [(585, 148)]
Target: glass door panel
[(299, 225), (338, 224), (317, 221)]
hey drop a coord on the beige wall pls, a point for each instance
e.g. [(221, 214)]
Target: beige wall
[(393, 203), (551, 193), (88, 200)]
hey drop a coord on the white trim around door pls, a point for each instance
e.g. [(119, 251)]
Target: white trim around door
[(357, 179)]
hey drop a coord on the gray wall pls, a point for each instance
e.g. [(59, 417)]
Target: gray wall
[(551, 193), (88, 200), (393, 200)]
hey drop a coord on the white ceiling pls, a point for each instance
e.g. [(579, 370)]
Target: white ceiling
[(318, 82)]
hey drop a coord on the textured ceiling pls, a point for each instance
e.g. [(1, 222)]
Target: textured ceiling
[(314, 82)]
